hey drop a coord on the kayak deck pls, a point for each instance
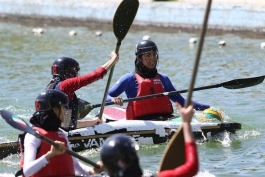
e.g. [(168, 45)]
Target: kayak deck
[(144, 132)]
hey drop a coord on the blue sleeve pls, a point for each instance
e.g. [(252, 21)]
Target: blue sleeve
[(168, 87), (127, 83)]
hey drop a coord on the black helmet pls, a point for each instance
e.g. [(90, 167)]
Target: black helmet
[(49, 99), (145, 46), (119, 156), (65, 67)]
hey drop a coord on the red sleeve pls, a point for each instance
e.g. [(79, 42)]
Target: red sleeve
[(69, 86), (190, 168)]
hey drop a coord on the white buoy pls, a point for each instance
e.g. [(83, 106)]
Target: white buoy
[(222, 43), (146, 37), (37, 30), (72, 33), (262, 45), (98, 33), (193, 40)]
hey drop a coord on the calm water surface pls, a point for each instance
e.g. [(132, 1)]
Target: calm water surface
[(25, 71)]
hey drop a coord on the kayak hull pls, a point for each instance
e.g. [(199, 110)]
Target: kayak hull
[(144, 132)]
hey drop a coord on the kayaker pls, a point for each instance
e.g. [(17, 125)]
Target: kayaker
[(42, 159), (65, 78), (119, 153), (145, 80)]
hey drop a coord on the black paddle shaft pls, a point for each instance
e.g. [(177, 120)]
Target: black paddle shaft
[(85, 107), (233, 84)]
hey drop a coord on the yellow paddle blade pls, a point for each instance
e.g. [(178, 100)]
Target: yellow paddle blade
[(174, 154)]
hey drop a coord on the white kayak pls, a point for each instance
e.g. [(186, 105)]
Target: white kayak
[(143, 131)]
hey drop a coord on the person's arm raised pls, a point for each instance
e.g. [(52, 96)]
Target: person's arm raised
[(191, 165), (186, 115), (113, 60)]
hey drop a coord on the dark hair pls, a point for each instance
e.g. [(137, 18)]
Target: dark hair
[(46, 120)]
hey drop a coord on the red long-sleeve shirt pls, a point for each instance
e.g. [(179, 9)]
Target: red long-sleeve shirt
[(69, 86), (191, 166)]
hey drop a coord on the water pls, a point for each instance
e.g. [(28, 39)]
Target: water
[(25, 71)]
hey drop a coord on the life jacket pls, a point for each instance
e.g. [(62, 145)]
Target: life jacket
[(73, 105), (63, 163), (147, 86), (60, 165)]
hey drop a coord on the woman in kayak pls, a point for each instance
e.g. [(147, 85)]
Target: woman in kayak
[(42, 159), (119, 153), (66, 79), (146, 80)]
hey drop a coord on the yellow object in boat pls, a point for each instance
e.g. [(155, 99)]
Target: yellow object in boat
[(211, 113)]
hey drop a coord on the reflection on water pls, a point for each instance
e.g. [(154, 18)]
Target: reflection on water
[(25, 71)]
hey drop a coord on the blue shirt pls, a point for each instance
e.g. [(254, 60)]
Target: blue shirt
[(128, 84)]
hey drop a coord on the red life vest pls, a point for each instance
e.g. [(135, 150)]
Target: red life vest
[(60, 165), (147, 86)]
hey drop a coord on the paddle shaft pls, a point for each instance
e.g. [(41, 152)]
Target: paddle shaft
[(85, 107), (175, 150), (49, 141), (233, 84), (198, 55), (159, 95), (108, 82), (122, 21), (18, 123)]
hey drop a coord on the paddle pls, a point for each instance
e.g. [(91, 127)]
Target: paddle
[(122, 21), (86, 107), (19, 124), (174, 154)]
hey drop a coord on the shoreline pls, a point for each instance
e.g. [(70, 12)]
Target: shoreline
[(42, 22), (240, 16)]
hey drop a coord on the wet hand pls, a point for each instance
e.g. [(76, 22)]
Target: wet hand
[(97, 170), (118, 101), (185, 113), (55, 150), (98, 121), (114, 56), (60, 150)]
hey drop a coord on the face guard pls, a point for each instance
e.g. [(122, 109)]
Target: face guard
[(67, 113)]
